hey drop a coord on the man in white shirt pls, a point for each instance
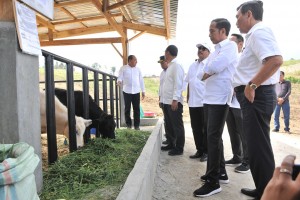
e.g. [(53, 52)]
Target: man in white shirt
[(132, 80), (195, 94), (218, 74), (234, 123), (164, 66), (257, 74), (172, 100)]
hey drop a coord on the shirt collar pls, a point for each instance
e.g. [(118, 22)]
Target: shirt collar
[(257, 26), (222, 43)]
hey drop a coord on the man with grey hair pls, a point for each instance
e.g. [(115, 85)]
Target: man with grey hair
[(255, 79)]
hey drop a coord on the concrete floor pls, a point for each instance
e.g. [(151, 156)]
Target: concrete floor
[(178, 176)]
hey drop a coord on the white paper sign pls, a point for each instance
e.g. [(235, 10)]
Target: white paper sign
[(27, 29), (45, 7)]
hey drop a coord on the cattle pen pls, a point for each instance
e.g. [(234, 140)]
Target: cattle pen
[(109, 95)]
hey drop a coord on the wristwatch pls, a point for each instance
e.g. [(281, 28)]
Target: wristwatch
[(253, 86)]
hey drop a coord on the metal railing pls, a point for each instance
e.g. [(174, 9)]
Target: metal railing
[(114, 94)]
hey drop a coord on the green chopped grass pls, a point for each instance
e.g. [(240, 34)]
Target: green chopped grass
[(101, 165)]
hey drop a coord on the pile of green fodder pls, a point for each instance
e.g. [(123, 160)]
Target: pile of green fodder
[(97, 171)]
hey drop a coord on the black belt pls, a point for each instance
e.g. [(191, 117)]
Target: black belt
[(241, 88)]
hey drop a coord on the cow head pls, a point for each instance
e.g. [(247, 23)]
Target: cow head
[(81, 125), (106, 126)]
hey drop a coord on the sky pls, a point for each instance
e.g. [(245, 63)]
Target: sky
[(193, 20)]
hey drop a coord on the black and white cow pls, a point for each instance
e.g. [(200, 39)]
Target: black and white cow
[(102, 121)]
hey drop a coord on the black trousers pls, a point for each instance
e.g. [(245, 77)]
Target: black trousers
[(256, 122), (216, 116), (175, 127), (133, 99), (234, 123), (198, 124)]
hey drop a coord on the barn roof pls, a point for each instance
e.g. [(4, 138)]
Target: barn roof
[(84, 17)]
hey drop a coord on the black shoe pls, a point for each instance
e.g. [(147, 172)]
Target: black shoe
[(175, 152), (207, 189), (166, 148), (243, 168), (128, 127), (249, 192), (275, 130), (223, 178), (203, 158), (137, 128), (165, 142), (233, 162), (196, 155)]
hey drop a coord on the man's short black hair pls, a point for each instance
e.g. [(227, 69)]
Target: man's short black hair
[(172, 49), (239, 37), (130, 57), (222, 23), (255, 6)]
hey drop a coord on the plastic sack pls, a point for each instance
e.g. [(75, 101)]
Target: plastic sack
[(17, 181), (141, 112)]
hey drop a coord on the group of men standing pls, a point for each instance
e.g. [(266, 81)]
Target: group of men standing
[(231, 84)]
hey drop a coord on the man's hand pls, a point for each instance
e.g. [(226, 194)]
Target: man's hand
[(249, 93), (280, 101), (281, 186), (174, 105), (205, 76), (119, 83), (143, 95)]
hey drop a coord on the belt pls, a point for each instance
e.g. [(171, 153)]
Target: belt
[(241, 88)]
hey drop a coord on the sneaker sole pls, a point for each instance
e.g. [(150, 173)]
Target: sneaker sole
[(224, 181), (242, 172), (209, 194), (234, 165), (220, 181)]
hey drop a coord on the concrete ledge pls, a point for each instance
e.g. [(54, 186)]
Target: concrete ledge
[(148, 121), (139, 183)]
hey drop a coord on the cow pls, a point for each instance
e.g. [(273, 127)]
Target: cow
[(61, 120), (102, 121)]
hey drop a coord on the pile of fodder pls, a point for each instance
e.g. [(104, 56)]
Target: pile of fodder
[(97, 171)]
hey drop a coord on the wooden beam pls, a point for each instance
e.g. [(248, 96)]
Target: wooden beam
[(167, 17), (64, 4), (78, 32), (44, 22), (81, 41), (109, 17), (6, 11), (147, 28), (137, 35), (120, 4), (116, 50), (84, 19)]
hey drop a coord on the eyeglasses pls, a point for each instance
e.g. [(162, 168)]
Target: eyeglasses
[(202, 48)]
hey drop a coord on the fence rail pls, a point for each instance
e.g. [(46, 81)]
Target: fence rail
[(112, 98)]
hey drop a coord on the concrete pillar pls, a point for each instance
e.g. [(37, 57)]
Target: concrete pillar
[(19, 95)]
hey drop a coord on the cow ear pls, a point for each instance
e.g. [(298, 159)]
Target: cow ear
[(87, 122)]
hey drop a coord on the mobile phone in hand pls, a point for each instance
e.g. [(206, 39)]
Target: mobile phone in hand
[(296, 170)]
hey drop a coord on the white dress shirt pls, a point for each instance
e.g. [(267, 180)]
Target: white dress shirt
[(221, 66), (132, 79), (260, 44), (173, 83), (196, 86), (161, 84)]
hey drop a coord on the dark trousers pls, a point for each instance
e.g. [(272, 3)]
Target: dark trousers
[(234, 123), (133, 99), (216, 116), (256, 122), (175, 127), (199, 128)]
